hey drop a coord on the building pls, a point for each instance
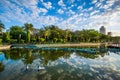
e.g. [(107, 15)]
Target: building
[(109, 33), (103, 30), (114, 34)]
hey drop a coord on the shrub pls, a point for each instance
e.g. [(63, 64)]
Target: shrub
[(42, 40), (22, 41), (33, 40), (13, 41), (61, 40), (55, 40), (0, 41)]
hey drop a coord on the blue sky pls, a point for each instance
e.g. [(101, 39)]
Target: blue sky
[(72, 14)]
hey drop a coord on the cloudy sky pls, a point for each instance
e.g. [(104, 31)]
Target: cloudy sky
[(72, 14)]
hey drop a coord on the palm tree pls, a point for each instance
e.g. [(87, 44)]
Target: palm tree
[(28, 27), (47, 33)]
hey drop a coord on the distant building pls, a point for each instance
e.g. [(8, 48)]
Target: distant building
[(103, 30), (114, 34), (109, 33)]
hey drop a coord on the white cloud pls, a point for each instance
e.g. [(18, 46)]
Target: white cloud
[(94, 1), (91, 8), (26, 3), (48, 5), (80, 7), (72, 6), (60, 11), (41, 0), (102, 0), (99, 5), (43, 10), (95, 20), (15, 13), (71, 1), (94, 12), (108, 4), (26, 11), (61, 3), (70, 12), (48, 20)]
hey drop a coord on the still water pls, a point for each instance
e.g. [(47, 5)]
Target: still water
[(30, 64)]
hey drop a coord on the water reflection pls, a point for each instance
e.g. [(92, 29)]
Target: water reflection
[(58, 65), (1, 67)]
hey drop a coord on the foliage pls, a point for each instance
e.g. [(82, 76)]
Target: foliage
[(6, 37), (18, 33), (33, 40), (22, 41), (52, 34), (13, 41), (0, 41), (1, 26), (28, 27), (42, 40)]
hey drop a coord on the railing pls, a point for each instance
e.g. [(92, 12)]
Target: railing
[(117, 45)]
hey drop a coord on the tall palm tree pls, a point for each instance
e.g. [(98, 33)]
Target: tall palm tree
[(1, 27), (28, 27), (47, 33)]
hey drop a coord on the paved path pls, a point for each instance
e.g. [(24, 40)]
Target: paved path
[(5, 47), (68, 45)]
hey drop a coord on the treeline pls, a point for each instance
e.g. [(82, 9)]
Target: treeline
[(50, 34)]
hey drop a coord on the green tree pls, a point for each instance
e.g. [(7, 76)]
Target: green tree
[(47, 33), (17, 33), (6, 37), (1, 27), (28, 27)]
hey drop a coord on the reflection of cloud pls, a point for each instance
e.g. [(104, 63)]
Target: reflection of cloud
[(106, 63), (106, 67)]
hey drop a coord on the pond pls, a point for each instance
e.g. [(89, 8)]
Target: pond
[(35, 64)]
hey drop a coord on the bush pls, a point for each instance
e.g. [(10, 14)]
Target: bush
[(33, 40), (55, 40), (0, 41), (61, 40), (42, 40), (22, 41), (13, 41), (8, 41)]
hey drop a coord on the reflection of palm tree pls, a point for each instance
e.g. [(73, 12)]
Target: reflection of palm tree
[(67, 55), (47, 56), (15, 54), (7, 54), (28, 57), (1, 67)]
